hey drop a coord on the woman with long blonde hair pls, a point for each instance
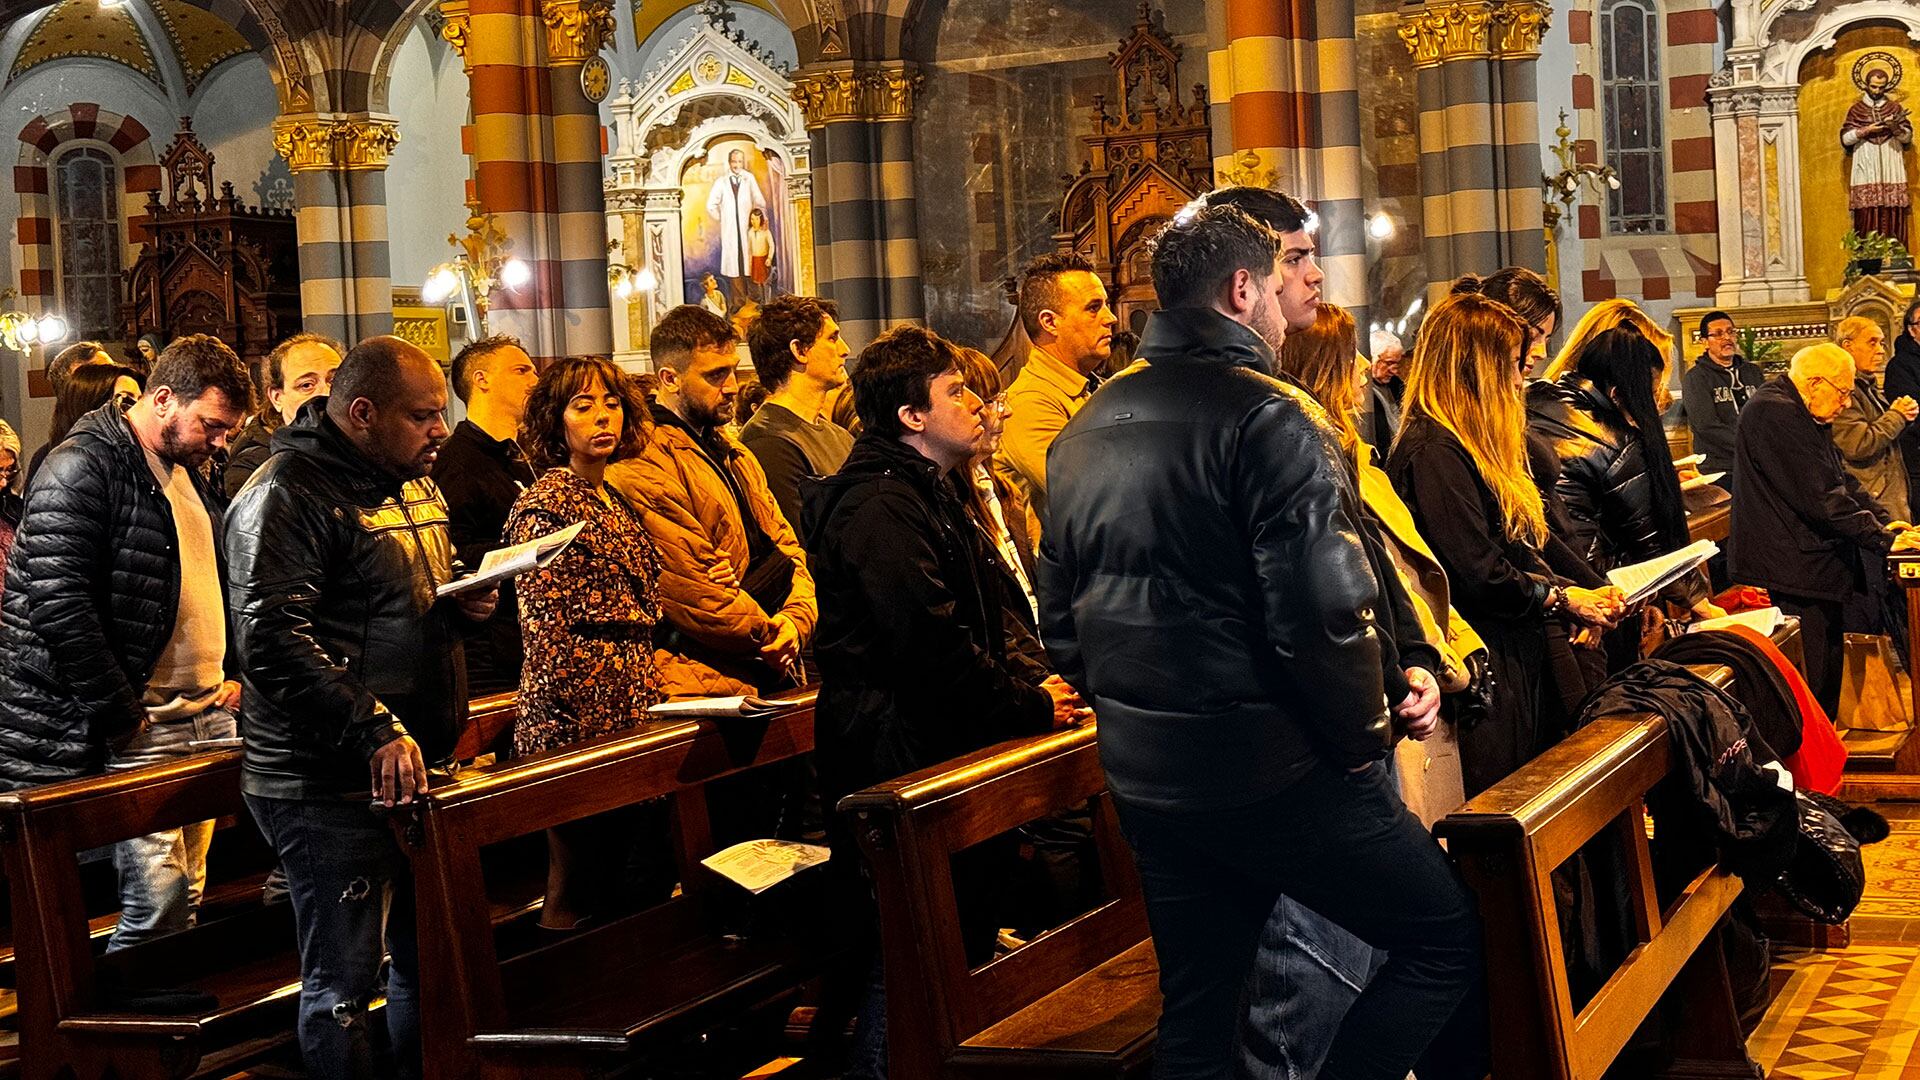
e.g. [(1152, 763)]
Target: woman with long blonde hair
[(1599, 319), (1460, 463)]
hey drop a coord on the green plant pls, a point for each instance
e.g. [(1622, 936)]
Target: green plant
[(1767, 354), (1872, 246)]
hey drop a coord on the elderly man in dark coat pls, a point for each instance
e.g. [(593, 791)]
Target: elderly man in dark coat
[(1803, 527)]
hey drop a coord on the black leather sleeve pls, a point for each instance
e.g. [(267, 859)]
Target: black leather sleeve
[(65, 543), (1317, 589), (277, 554)]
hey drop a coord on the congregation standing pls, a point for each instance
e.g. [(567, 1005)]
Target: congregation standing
[(1315, 600)]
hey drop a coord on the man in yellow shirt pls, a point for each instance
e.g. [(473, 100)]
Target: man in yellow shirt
[(1063, 306)]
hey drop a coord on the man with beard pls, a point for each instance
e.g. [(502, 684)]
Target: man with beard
[(801, 358), (1255, 770), (354, 679), (734, 584), (116, 650)]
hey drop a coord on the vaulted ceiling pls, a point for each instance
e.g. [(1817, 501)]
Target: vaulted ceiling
[(175, 32)]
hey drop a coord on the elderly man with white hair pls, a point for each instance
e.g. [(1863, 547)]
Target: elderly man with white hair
[(1380, 405), (1867, 431), (1803, 527)]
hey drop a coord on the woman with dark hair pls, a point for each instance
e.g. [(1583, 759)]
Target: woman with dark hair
[(88, 387), (586, 618), (1617, 481), (1001, 513), (1530, 297)]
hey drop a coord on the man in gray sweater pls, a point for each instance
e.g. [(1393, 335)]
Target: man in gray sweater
[(800, 358)]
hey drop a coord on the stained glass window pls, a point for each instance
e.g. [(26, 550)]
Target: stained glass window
[(87, 208), (1630, 115)]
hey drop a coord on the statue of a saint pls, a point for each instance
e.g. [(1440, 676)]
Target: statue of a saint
[(1878, 131)]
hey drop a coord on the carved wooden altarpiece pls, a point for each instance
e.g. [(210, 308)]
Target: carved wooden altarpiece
[(211, 264)]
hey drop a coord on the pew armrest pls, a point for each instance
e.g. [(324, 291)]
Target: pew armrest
[(133, 1024)]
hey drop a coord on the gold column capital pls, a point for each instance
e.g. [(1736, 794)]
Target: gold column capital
[(1444, 30), (330, 142), (456, 27), (577, 29), (827, 95)]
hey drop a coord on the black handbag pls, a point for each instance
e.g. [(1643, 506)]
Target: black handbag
[(1827, 876)]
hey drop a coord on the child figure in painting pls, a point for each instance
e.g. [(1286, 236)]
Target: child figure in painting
[(760, 252)]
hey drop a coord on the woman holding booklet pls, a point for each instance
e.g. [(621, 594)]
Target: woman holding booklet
[(587, 617), (1460, 462), (1617, 479)]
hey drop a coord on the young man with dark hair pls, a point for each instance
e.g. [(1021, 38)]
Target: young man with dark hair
[(481, 471), (116, 652), (800, 358), (1063, 305), (915, 661), (296, 371), (1715, 389), (73, 356), (353, 679), (1256, 772), (734, 584)]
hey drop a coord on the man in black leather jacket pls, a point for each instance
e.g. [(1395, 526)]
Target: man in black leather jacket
[(1203, 586), (353, 678)]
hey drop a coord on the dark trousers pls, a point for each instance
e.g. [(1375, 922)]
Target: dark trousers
[(1341, 845), (1822, 638), (350, 885)]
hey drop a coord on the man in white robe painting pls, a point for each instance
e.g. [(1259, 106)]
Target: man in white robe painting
[(735, 196), (1878, 131)]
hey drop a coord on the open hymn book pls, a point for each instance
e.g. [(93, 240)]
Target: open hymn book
[(503, 563), (1642, 579)]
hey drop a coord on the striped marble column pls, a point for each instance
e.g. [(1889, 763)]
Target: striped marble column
[(1290, 78), (576, 32), (501, 44), (865, 221), (340, 196), (1479, 139)]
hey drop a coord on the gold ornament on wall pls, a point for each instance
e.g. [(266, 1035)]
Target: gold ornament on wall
[(577, 29), (1448, 30), (848, 94)]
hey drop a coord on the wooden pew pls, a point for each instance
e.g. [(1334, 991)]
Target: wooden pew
[(242, 952), (1080, 1000), (1507, 843), (603, 994), (246, 961)]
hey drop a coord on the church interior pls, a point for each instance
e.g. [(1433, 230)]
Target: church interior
[(442, 170)]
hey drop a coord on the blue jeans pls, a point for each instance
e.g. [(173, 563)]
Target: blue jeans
[(163, 874), (1305, 977), (349, 883), (1345, 847)]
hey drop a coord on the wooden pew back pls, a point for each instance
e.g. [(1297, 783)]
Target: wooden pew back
[(607, 989), (909, 830), (62, 1018), (1509, 840)]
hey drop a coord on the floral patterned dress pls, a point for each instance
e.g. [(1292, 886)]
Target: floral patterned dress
[(587, 618)]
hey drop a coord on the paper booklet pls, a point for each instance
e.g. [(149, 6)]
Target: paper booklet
[(1701, 481), (759, 865), (1690, 459), (739, 705), (1765, 620), (503, 563), (1643, 579)]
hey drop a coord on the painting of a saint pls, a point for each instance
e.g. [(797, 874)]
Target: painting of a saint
[(733, 195), (1878, 131)]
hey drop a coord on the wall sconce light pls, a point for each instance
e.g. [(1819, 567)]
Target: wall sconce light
[(482, 263), (21, 330), (1564, 186)]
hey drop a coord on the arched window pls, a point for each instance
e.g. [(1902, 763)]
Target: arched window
[(86, 206), (1631, 110)]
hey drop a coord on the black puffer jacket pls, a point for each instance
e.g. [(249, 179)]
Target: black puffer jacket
[(1903, 380), (913, 643), (93, 587), (1201, 581), (332, 567)]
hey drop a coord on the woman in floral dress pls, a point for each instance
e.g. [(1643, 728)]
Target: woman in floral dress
[(586, 618)]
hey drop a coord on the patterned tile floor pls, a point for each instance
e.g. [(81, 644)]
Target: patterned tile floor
[(1854, 1013)]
